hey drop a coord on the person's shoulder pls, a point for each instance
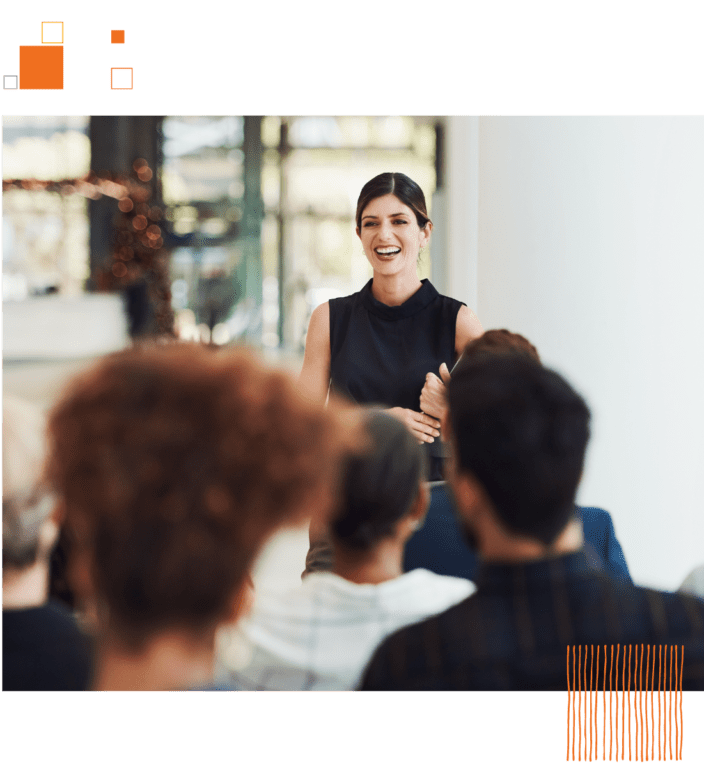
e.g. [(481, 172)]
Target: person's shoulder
[(442, 297), (340, 306), (400, 661), (674, 613), (596, 516), (450, 585)]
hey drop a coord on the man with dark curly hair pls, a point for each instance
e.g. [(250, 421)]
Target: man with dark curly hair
[(174, 464), (519, 433)]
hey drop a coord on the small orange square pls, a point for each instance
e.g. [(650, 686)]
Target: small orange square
[(117, 36)]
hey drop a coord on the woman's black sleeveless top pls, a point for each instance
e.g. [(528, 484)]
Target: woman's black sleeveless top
[(380, 355)]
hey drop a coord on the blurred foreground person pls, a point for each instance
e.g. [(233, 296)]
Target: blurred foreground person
[(440, 546), (519, 434), (42, 647), (320, 635), (175, 464)]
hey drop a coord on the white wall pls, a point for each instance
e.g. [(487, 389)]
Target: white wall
[(591, 243)]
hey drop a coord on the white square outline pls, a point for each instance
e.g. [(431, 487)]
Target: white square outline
[(121, 87), (53, 42), (7, 87)]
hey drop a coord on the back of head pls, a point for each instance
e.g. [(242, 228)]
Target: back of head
[(379, 486), (26, 502), (175, 463), (501, 341), (521, 431)]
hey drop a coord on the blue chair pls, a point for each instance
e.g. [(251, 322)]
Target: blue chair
[(439, 545)]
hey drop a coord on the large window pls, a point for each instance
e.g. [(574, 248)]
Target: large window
[(203, 188), (313, 170)]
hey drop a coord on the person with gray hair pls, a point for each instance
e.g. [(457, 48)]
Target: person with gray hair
[(43, 648)]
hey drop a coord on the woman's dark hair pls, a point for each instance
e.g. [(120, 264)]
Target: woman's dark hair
[(379, 486), (399, 185), (521, 431)]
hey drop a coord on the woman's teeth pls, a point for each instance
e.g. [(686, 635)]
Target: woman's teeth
[(387, 251)]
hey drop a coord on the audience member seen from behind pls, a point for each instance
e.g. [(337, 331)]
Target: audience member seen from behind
[(175, 464), (519, 434), (320, 635), (439, 545), (43, 648)]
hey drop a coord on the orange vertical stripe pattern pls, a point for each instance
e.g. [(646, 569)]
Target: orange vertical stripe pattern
[(588, 683)]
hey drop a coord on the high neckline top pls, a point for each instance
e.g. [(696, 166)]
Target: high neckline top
[(414, 304), (380, 355)]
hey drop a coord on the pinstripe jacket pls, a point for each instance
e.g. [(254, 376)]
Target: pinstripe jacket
[(513, 632)]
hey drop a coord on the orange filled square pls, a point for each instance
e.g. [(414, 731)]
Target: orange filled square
[(41, 67), (117, 36)]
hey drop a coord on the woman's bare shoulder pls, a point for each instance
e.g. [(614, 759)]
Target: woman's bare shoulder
[(320, 320), (468, 327)]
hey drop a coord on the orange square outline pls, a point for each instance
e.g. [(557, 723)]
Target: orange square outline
[(115, 34), (62, 32), (131, 69)]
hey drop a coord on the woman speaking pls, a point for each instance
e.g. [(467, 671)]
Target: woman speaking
[(378, 346)]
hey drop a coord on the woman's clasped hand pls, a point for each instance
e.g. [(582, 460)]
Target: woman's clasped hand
[(423, 427), (433, 396)]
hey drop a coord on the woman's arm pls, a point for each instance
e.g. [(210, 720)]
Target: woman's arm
[(433, 396), (467, 328), (314, 379)]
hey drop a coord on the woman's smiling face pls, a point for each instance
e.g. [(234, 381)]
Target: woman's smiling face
[(390, 235)]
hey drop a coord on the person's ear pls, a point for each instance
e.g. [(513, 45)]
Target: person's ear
[(425, 234), (58, 513), (420, 508), (359, 232), (468, 492), (424, 496), (242, 602), (445, 425)]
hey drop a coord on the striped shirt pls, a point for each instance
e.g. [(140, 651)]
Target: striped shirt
[(513, 632)]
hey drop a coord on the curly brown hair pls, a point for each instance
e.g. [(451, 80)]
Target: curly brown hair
[(175, 463), (501, 341)]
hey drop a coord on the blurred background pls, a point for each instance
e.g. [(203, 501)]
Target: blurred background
[(585, 234)]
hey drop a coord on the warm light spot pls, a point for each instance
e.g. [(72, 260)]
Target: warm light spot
[(203, 333), (140, 162), (119, 269), (125, 205), (145, 174), (221, 334), (140, 222)]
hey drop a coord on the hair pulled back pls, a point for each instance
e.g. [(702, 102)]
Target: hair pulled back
[(379, 486), (399, 185)]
